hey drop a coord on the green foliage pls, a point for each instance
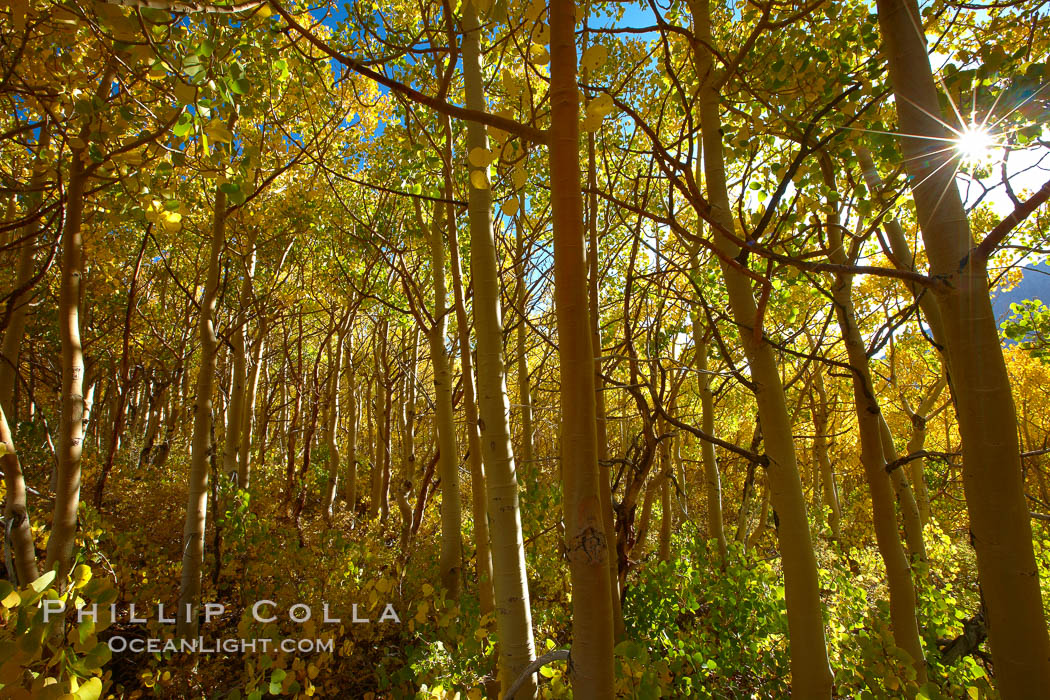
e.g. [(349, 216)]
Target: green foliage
[(46, 654), (1029, 325), (697, 629)]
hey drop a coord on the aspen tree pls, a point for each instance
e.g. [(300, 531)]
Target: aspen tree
[(238, 389), (587, 546), (201, 446), (16, 511), (510, 586), (820, 450), (451, 561), (71, 427), (810, 669), (478, 487), (869, 417), (1000, 529), (350, 368), (331, 433), (244, 467), (712, 478)]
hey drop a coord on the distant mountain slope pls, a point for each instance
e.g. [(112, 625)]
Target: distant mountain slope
[(1034, 285)]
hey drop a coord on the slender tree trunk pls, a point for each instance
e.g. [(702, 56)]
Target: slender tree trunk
[(510, 586), (666, 514), (478, 487), (350, 483), (450, 565), (373, 405), (202, 447), (244, 467), (905, 497), (332, 425), (407, 472), (524, 394), (884, 518), (604, 473), (712, 478), (1000, 529), (238, 406), (820, 449), (587, 541), (810, 669), (71, 430), (16, 510)]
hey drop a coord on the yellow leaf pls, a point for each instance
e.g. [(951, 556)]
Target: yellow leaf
[(539, 55), (479, 179), (600, 105), (82, 574), (428, 589), (479, 157), (172, 221), (218, 132), (510, 207), (594, 57), (11, 599), (184, 93), (536, 8), (519, 176), (591, 123), (542, 34)]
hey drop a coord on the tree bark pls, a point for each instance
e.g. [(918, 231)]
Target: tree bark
[(1000, 528), (587, 540), (16, 507), (450, 564), (71, 429), (201, 446), (810, 669), (510, 586)]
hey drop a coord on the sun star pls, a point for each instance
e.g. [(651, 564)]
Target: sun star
[(974, 143)]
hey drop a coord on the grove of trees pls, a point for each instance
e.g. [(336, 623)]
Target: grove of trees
[(584, 349)]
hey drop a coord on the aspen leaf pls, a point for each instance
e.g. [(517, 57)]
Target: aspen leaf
[(218, 132), (600, 105), (542, 34), (511, 85), (479, 157), (539, 55), (91, 690), (536, 8), (510, 207), (591, 123), (184, 93), (519, 176), (82, 574), (43, 582), (594, 57), (264, 11), (10, 595), (171, 220), (479, 180)]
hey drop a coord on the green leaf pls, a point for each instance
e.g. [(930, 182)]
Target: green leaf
[(91, 690), (43, 582)]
